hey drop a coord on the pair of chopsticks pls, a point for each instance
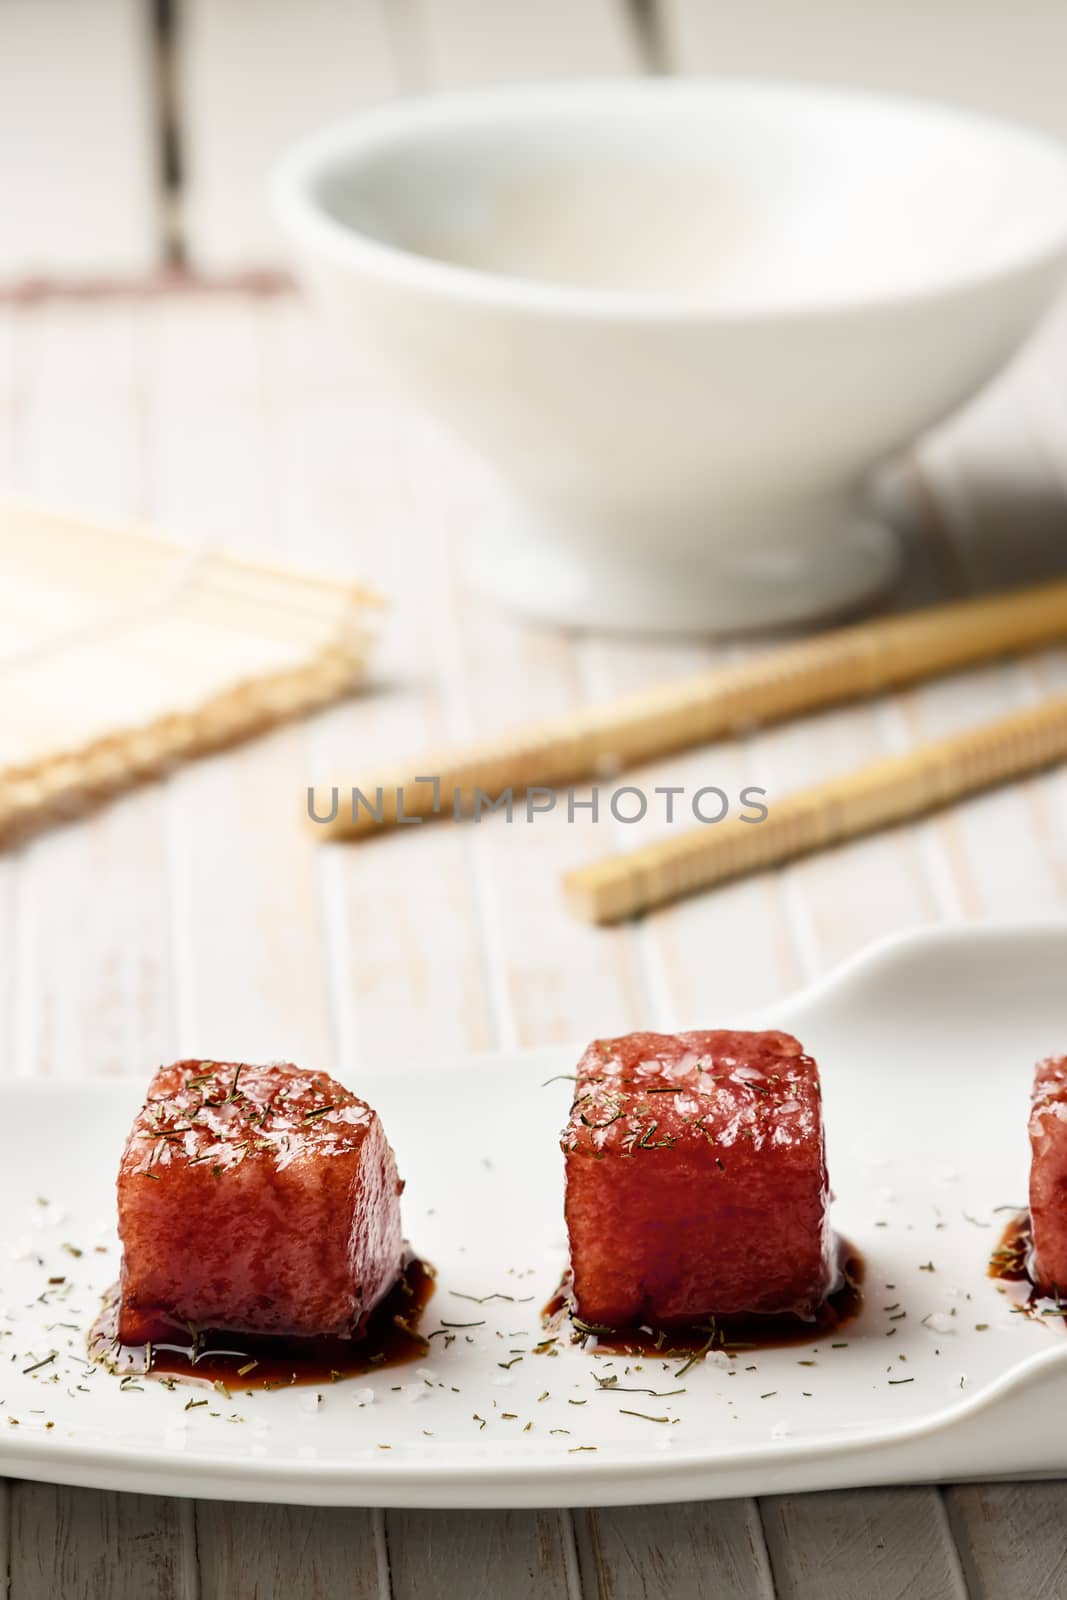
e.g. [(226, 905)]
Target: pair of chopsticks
[(845, 664)]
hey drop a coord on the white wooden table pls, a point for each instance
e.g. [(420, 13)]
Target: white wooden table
[(197, 915)]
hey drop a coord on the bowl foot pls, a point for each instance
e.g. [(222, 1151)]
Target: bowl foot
[(582, 585)]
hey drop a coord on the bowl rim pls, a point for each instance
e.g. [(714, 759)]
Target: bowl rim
[(312, 228)]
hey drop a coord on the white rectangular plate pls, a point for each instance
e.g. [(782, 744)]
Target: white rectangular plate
[(926, 1046)]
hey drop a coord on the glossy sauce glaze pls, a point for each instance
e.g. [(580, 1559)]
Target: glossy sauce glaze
[(1013, 1262), (246, 1361), (1010, 1260), (841, 1306)]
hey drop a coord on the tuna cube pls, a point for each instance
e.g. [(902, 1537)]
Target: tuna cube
[(1048, 1175), (696, 1179), (257, 1199)]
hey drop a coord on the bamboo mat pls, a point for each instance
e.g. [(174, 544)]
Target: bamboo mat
[(122, 653)]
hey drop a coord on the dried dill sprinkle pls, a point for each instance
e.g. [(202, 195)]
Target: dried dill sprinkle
[(647, 1142), (507, 1365), (642, 1414), (927, 1266), (698, 1355), (613, 1385), (543, 1396), (44, 1362), (578, 1448), (596, 1125), (901, 1380), (479, 1420), (589, 1329)]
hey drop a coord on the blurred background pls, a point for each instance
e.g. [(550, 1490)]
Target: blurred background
[(136, 134), (153, 368)]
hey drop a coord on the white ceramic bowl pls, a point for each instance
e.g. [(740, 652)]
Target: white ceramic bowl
[(682, 319)]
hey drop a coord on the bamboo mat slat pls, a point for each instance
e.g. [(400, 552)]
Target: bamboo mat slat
[(122, 652)]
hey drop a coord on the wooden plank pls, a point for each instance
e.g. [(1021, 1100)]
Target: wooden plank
[(89, 980), (82, 1544), (77, 102), (989, 489), (251, 82), (711, 956), (570, 982), (278, 1552), (478, 1556), (72, 410), (1010, 1537), (881, 1543), (91, 992), (5, 1538), (12, 324), (673, 1552), (980, 55), (467, 43), (247, 952), (404, 947)]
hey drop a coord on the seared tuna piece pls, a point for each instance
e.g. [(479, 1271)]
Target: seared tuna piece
[(696, 1179), (257, 1199), (1048, 1176)]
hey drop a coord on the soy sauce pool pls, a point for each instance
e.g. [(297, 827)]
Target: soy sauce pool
[(1012, 1262), (1011, 1259), (243, 1361), (728, 1333)]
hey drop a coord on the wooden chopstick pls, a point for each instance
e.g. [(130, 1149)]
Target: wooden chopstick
[(845, 664), (871, 797)]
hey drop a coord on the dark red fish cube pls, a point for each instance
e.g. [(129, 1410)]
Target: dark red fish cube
[(257, 1199), (1048, 1175), (696, 1179)]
